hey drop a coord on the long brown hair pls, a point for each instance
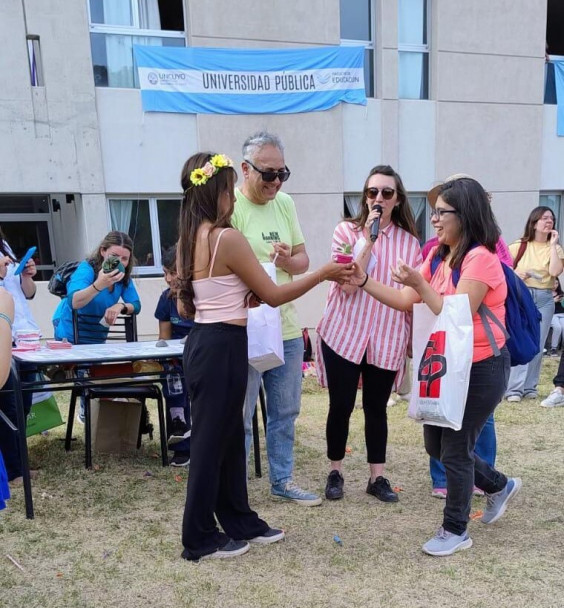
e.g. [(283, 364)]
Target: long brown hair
[(199, 204), (534, 217), (113, 238), (402, 215)]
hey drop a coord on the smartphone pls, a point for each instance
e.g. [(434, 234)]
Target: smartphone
[(25, 260)]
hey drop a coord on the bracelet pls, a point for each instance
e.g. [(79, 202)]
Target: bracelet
[(364, 282), (6, 318), (98, 290)]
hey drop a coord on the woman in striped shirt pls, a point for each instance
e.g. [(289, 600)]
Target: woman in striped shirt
[(358, 337)]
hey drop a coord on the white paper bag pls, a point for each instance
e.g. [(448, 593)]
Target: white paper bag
[(442, 357), (264, 332)]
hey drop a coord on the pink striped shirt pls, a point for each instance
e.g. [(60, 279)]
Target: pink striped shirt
[(355, 324)]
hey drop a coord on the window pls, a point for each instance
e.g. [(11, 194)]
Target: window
[(116, 25), (357, 28), (35, 65), (554, 46), (413, 49), (554, 202), (152, 224)]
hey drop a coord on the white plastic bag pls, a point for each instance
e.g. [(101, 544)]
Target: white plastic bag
[(442, 357), (264, 332)]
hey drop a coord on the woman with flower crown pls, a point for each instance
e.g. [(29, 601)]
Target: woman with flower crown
[(358, 337), (219, 277)]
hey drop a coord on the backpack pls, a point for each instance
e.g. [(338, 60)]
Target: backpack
[(522, 317), (58, 282)]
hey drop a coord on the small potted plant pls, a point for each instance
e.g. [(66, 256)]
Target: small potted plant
[(344, 254)]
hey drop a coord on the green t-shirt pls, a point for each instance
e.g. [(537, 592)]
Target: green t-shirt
[(263, 225)]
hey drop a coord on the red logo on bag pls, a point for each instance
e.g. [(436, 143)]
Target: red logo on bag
[(433, 366)]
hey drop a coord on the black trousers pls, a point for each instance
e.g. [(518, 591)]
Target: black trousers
[(342, 381), (455, 449), (215, 366)]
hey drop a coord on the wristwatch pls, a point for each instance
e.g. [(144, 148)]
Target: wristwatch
[(123, 310)]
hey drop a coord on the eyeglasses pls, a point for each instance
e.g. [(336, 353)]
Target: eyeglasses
[(438, 213), (387, 193), (270, 176)]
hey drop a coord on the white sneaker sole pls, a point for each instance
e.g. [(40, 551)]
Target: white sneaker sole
[(466, 544), (512, 494), (267, 540), (219, 554)]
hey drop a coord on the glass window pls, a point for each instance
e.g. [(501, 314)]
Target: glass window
[(151, 223), (413, 49), (552, 201), (357, 28), (116, 25), (35, 63), (418, 204)]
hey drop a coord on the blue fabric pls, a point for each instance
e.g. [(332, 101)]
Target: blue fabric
[(167, 311), (282, 387), (83, 277), (559, 78), (249, 81), (4, 487), (486, 448)]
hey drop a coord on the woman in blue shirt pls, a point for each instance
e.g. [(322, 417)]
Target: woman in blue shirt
[(97, 294)]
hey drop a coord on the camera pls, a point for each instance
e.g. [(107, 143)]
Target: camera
[(111, 263)]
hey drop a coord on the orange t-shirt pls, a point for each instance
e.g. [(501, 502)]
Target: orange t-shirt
[(481, 265)]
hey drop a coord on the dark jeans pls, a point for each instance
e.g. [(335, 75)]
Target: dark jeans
[(9, 442), (559, 378), (180, 399), (215, 364), (455, 449), (342, 381)]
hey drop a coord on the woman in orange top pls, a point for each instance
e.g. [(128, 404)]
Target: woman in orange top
[(468, 233)]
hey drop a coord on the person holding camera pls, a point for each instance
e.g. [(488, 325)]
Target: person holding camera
[(101, 287)]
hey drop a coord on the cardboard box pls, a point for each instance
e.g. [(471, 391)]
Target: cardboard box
[(115, 425)]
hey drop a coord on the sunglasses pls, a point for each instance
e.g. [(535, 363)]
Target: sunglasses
[(387, 193), (270, 176), (438, 213)]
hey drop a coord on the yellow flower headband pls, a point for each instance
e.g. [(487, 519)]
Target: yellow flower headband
[(201, 175)]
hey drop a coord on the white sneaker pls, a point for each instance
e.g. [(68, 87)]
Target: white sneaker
[(555, 399), (513, 399)]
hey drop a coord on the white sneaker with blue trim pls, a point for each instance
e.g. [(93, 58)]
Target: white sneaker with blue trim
[(290, 491)]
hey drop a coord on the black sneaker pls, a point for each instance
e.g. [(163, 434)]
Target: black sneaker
[(178, 431), (272, 535), (232, 548), (334, 487), (382, 490), (180, 459)]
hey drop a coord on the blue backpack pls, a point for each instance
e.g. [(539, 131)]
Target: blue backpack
[(522, 317)]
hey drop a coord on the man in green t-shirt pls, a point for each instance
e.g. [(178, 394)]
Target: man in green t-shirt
[(267, 218)]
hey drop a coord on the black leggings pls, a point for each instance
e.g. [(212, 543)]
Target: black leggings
[(215, 366), (342, 380)]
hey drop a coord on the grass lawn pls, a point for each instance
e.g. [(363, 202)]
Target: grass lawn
[(111, 536)]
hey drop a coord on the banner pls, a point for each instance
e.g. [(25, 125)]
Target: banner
[(559, 78), (249, 81)]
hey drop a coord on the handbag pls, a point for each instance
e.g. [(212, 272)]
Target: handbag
[(44, 414), (264, 332), (443, 346)]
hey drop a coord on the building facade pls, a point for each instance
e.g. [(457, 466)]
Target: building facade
[(453, 86)]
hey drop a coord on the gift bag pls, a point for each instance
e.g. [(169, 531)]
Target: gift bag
[(44, 414), (264, 332), (442, 357)]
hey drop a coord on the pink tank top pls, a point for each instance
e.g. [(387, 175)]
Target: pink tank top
[(218, 299)]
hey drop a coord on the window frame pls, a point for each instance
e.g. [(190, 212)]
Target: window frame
[(559, 214), (418, 49), (157, 268), (369, 45), (134, 31)]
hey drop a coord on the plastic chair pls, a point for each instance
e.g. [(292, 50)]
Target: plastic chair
[(125, 329)]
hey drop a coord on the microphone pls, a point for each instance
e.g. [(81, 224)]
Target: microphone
[(374, 229)]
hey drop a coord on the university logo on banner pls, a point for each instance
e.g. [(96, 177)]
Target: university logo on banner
[(433, 366), (249, 81)]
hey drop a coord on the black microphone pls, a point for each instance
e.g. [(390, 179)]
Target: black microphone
[(375, 228)]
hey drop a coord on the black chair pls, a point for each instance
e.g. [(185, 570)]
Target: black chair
[(256, 444), (86, 328)]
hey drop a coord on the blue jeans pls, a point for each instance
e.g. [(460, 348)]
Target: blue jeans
[(283, 389), (486, 448), (523, 379)]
